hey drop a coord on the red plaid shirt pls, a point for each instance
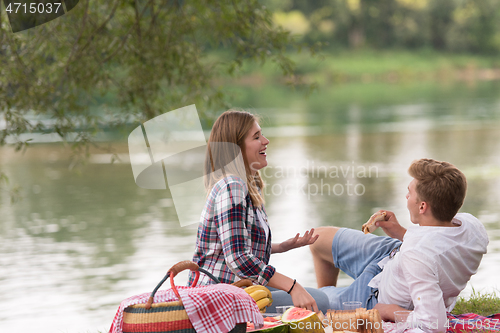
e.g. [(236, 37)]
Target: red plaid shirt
[(231, 242)]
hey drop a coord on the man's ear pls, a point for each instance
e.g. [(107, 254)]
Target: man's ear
[(423, 207)]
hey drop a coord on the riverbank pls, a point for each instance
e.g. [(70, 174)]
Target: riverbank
[(367, 66)]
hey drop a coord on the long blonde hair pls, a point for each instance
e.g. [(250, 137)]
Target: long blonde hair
[(231, 127)]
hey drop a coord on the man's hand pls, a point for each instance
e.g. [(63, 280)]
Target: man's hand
[(391, 226), (295, 242)]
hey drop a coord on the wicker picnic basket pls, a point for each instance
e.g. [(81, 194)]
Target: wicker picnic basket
[(169, 316)]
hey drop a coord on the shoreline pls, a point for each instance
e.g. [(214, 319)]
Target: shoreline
[(372, 66)]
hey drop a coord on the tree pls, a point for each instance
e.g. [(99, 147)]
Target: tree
[(440, 22), (143, 57)]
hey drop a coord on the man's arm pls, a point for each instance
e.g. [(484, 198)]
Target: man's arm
[(426, 294), (391, 226), (387, 310)]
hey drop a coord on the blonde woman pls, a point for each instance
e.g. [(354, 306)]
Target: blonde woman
[(234, 238)]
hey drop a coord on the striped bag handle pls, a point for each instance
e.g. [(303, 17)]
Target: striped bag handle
[(192, 266)]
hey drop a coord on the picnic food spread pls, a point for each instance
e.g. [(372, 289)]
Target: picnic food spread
[(261, 295), (229, 308), (370, 226), (298, 320), (302, 320), (359, 320), (271, 325)]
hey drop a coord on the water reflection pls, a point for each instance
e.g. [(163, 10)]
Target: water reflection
[(80, 243)]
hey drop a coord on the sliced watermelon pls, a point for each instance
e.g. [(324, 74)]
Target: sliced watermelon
[(302, 320), (269, 327)]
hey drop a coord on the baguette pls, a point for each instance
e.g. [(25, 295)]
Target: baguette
[(370, 226)]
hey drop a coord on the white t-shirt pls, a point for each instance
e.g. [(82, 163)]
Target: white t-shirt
[(263, 222), (432, 268)]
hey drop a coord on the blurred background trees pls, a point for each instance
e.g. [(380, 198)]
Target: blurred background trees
[(115, 62), (120, 61), (443, 25)]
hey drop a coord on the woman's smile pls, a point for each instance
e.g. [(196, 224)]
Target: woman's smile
[(255, 148)]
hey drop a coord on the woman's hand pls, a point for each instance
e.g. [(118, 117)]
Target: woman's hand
[(391, 226), (295, 242), (302, 299)]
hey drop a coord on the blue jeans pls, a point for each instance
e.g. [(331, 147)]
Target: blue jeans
[(358, 255), (281, 298)]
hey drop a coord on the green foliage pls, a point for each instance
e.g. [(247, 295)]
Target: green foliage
[(150, 56), (484, 304), (381, 66), (447, 25), (14, 192)]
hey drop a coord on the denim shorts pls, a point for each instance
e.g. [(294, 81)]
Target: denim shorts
[(358, 254)]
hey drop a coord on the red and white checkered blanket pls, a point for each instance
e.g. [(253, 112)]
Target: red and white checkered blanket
[(215, 308)]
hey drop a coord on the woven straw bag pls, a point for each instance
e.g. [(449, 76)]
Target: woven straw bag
[(169, 316)]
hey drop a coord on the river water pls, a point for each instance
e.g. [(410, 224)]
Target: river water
[(81, 241)]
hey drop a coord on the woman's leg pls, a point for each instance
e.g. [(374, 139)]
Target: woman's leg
[(324, 267)]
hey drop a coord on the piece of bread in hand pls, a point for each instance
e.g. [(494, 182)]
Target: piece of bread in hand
[(370, 226)]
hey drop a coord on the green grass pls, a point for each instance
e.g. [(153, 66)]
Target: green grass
[(383, 61), (484, 304), (368, 65)]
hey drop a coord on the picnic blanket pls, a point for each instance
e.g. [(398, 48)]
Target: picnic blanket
[(214, 308), (467, 322), (470, 322)]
